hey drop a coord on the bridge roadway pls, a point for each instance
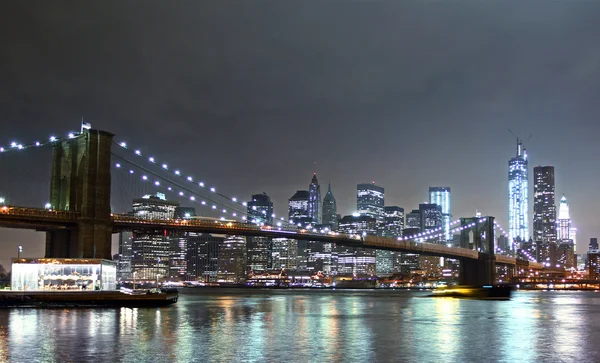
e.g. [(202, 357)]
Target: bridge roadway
[(43, 219)]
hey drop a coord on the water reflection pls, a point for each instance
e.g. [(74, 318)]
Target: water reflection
[(297, 326)]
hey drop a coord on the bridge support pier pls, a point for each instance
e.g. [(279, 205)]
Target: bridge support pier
[(81, 183), (483, 270)]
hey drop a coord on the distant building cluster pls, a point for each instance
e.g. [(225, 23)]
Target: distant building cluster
[(211, 258), (150, 255)]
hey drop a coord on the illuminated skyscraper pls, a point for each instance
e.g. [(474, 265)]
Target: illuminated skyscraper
[(518, 199), (370, 201), (564, 220), (151, 251), (431, 216), (441, 197), (544, 205), (314, 200), (330, 216), (298, 208), (259, 249)]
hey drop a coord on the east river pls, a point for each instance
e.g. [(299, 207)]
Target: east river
[(312, 326)]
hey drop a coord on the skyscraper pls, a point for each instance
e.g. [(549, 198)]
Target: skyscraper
[(260, 209), (259, 249), (544, 205), (358, 261), (314, 200), (441, 197), (202, 256), (518, 198), (232, 260), (298, 208), (370, 201), (179, 241), (564, 220), (413, 219), (431, 216), (393, 221), (151, 251), (330, 210)]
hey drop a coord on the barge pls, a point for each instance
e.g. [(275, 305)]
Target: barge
[(114, 298)]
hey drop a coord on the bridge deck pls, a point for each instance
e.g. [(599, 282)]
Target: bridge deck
[(18, 217)]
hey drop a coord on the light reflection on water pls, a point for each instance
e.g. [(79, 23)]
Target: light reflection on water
[(312, 326)]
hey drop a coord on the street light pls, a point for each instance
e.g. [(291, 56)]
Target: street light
[(19, 251), (2, 200)]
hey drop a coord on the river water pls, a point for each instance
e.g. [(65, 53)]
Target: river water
[(312, 326)]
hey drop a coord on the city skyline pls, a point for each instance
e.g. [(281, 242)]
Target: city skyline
[(417, 103)]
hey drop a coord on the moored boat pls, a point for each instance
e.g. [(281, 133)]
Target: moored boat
[(488, 292)]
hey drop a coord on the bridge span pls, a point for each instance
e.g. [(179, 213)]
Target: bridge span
[(44, 220)]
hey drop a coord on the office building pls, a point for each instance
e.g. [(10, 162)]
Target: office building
[(431, 216), (330, 216), (544, 205), (259, 249), (125, 254), (593, 244), (518, 197), (298, 208), (232, 260), (203, 256), (151, 250), (370, 201), (285, 254), (356, 261), (413, 219), (260, 209), (441, 197), (314, 200), (179, 240)]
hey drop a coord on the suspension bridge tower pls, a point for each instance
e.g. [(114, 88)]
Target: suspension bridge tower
[(80, 183)]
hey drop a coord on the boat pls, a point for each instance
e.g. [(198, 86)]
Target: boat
[(487, 292), (106, 298)]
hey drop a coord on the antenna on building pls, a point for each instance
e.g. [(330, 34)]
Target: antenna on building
[(315, 167)]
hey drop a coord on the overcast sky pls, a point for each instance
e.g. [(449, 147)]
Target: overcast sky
[(248, 94)]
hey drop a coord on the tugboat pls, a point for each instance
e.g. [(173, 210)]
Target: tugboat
[(487, 292)]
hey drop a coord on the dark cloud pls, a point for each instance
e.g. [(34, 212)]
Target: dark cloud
[(249, 94)]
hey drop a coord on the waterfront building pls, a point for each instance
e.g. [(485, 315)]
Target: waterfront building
[(179, 241), (392, 227), (518, 197), (330, 216), (370, 201), (593, 265), (441, 196), (285, 254), (259, 249), (356, 261), (232, 260), (203, 256), (564, 220), (151, 250), (125, 253), (314, 200)]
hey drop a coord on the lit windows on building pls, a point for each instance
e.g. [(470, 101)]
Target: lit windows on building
[(413, 219), (441, 197), (518, 198), (154, 207), (314, 200), (203, 256), (393, 222), (232, 260), (370, 200), (330, 216), (431, 216), (298, 208), (260, 209), (544, 205)]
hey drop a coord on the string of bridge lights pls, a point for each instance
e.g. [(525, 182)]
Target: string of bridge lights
[(192, 196), (190, 179), (15, 145)]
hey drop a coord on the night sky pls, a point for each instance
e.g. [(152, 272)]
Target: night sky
[(246, 95)]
